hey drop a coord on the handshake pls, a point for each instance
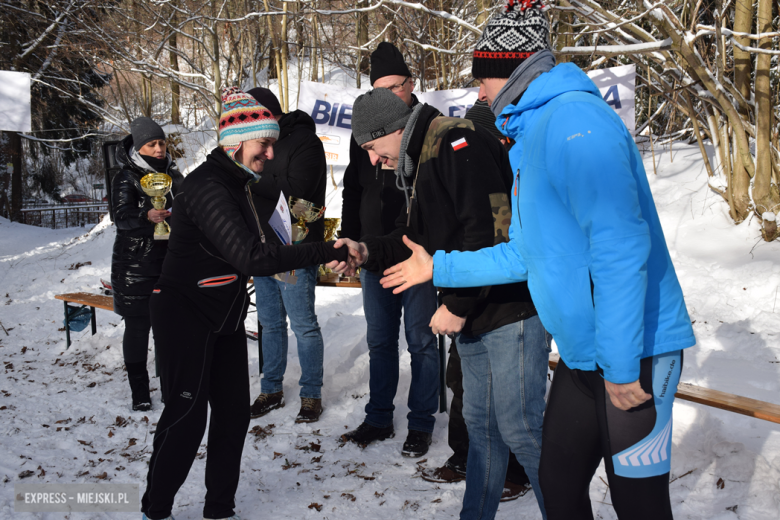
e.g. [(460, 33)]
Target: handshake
[(417, 269), (358, 254)]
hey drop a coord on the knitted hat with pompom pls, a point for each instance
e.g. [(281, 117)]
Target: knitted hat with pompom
[(517, 31), (243, 119)]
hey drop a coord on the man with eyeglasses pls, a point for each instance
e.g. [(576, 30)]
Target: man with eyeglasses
[(373, 198)]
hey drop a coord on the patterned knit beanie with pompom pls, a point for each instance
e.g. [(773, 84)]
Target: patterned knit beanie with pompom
[(516, 32)]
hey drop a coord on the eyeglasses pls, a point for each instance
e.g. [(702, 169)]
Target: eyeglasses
[(397, 88)]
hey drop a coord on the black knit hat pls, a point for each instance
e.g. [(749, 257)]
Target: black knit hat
[(145, 130), (482, 116), (268, 99), (387, 60), (517, 31)]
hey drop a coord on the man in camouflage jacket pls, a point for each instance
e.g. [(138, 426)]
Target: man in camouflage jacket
[(460, 201)]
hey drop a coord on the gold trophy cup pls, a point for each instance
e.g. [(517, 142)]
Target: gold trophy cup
[(304, 211), (157, 185), (331, 228)]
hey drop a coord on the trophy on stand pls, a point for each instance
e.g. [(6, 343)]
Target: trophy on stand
[(157, 185), (331, 228), (304, 211)]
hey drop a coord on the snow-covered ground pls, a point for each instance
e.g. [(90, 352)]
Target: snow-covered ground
[(65, 414)]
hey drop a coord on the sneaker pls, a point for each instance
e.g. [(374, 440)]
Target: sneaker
[(365, 434), (166, 518), (443, 475), (416, 444), (311, 409), (514, 491), (234, 517), (265, 403)]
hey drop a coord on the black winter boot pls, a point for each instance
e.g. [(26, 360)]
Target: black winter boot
[(139, 386)]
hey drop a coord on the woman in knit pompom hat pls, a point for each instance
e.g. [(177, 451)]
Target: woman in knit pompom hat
[(244, 120), (200, 303)]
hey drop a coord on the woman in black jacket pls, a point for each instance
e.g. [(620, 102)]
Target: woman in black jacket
[(199, 306), (137, 260)]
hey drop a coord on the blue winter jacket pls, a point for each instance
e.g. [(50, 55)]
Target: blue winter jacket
[(585, 232)]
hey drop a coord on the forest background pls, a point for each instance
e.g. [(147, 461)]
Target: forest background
[(707, 73)]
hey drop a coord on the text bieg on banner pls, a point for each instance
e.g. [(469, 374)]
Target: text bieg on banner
[(331, 106)]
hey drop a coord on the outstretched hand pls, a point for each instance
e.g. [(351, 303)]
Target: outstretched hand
[(415, 270), (357, 257), (626, 396)]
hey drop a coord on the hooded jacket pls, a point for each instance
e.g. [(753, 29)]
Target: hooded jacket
[(137, 259), (370, 201), (298, 169), (217, 243), (584, 233), (460, 202)]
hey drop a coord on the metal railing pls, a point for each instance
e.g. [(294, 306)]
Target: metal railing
[(64, 216)]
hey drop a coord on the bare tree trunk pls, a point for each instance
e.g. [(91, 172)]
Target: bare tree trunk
[(216, 71), (285, 58), (361, 32), (764, 194), (175, 93), (483, 10), (316, 47), (12, 161), (740, 180)]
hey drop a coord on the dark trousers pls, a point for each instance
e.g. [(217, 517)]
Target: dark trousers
[(199, 369), (582, 426), (457, 434), (135, 343)]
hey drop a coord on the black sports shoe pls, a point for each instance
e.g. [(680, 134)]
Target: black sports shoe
[(365, 434), (416, 444), (265, 403)]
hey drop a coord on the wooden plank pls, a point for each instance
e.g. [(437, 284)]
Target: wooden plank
[(93, 300), (332, 280), (717, 399), (733, 403)]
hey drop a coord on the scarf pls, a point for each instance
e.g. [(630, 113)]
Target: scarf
[(406, 166), (539, 63)]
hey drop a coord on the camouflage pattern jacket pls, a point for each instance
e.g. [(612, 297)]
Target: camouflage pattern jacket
[(460, 202)]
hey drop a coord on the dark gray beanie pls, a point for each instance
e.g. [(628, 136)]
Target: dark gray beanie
[(377, 113), (145, 130)]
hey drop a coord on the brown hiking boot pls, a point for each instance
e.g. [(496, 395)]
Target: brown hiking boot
[(442, 475), (311, 409), (514, 491), (265, 403)]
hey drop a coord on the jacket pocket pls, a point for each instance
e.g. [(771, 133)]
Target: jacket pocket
[(217, 281)]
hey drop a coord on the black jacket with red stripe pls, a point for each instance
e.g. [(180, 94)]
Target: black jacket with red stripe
[(216, 243)]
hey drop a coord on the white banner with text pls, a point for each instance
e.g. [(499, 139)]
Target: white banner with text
[(331, 106)]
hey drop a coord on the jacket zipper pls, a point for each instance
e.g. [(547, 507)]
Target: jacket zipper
[(254, 212)]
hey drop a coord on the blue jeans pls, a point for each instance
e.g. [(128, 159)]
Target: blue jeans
[(504, 381), (383, 321), (275, 301)]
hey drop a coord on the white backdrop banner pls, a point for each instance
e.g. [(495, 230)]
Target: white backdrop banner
[(331, 106), (616, 85), (15, 115)]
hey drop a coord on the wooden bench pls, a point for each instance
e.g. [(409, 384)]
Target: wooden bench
[(717, 399), (81, 300)]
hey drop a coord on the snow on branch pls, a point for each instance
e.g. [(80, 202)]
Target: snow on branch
[(615, 50)]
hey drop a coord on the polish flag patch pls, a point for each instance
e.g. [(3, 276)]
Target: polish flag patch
[(460, 143)]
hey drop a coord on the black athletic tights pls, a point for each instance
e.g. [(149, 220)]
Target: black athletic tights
[(576, 436), (199, 369)]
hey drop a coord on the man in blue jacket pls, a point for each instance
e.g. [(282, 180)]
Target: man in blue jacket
[(586, 235)]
